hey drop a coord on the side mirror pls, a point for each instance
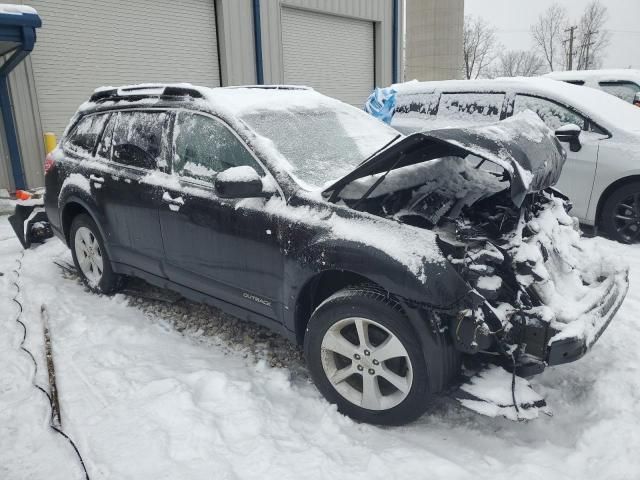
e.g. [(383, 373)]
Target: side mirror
[(636, 100), (239, 182), (570, 134)]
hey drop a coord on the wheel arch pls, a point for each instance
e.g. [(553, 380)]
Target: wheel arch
[(621, 182), (73, 207), (318, 288)]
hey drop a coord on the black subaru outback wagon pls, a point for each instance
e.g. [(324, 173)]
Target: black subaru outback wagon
[(390, 258)]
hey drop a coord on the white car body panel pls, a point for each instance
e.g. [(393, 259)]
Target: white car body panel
[(604, 157)]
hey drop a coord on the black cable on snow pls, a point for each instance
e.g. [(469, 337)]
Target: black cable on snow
[(52, 423)]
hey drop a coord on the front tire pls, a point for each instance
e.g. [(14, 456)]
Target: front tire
[(90, 257), (620, 217), (364, 355)]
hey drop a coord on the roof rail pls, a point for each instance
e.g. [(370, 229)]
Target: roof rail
[(272, 87), (145, 91)]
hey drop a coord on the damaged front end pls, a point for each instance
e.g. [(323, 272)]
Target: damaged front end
[(539, 294)]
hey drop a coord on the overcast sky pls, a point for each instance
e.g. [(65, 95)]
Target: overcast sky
[(513, 19)]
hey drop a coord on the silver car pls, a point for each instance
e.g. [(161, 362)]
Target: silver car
[(602, 172)]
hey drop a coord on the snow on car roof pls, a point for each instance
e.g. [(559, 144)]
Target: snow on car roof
[(596, 104), (604, 75)]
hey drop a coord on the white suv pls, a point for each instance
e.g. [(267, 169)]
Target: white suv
[(623, 83), (602, 172)]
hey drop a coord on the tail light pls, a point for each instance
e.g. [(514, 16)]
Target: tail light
[(48, 163)]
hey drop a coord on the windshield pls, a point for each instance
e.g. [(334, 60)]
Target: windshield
[(322, 143)]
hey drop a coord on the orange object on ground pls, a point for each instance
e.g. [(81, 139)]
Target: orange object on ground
[(22, 195)]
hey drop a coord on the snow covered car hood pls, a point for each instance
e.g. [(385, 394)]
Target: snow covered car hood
[(523, 146)]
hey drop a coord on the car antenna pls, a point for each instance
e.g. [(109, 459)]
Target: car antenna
[(378, 182)]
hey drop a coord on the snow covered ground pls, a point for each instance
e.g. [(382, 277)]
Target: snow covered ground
[(154, 390)]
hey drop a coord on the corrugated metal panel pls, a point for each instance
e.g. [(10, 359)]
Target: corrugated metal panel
[(84, 44), (27, 119), (374, 10), (235, 34), (378, 11), (6, 180), (334, 55)]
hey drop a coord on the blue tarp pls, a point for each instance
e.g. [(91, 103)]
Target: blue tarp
[(381, 103)]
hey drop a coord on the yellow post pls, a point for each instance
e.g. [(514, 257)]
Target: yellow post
[(50, 142)]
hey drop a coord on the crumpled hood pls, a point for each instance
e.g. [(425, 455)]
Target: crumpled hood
[(523, 146)]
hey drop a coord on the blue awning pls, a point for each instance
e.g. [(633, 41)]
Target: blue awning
[(18, 25)]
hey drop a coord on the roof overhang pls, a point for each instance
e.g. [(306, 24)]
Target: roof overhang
[(17, 34)]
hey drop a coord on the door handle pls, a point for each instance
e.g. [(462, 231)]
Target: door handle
[(174, 203), (96, 179)]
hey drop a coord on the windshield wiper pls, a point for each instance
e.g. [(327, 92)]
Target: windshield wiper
[(377, 182), (379, 150)]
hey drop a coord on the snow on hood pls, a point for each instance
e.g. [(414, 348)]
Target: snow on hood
[(605, 109), (522, 145)]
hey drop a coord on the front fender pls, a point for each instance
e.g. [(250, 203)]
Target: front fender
[(436, 283)]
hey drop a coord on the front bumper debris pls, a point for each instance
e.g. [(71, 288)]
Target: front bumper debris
[(577, 337)]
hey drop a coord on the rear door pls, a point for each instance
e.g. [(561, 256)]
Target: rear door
[(134, 146), (229, 249), (76, 173), (578, 173)]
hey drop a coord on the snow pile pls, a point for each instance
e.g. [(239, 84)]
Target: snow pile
[(577, 279), (243, 173), (493, 386), (143, 400)]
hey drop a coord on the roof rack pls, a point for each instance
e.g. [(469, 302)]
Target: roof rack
[(145, 91)]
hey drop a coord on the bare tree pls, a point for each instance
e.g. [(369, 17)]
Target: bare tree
[(592, 37), (479, 45), (548, 32), (520, 63)]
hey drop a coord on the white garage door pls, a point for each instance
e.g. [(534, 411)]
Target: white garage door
[(84, 44), (334, 55)]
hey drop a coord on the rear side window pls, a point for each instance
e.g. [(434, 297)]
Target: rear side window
[(625, 90), (470, 107), (419, 105), (85, 134), (552, 114), (137, 139), (204, 146)]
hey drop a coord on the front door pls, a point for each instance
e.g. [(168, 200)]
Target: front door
[(229, 249), (578, 173)]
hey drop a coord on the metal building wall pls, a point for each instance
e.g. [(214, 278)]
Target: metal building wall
[(236, 42), (27, 119), (434, 39), (379, 11)]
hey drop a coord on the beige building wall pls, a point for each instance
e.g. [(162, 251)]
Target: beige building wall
[(433, 39)]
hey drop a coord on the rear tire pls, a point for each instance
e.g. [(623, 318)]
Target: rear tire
[(380, 377), (90, 257), (620, 217)]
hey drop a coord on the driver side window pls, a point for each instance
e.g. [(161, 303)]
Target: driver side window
[(204, 147)]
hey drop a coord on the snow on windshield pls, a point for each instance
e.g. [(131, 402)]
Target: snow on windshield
[(320, 138)]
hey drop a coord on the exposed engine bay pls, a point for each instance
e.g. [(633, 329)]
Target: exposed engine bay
[(540, 296)]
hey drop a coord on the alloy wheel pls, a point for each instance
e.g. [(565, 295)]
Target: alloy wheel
[(627, 218), (89, 255), (366, 363)]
